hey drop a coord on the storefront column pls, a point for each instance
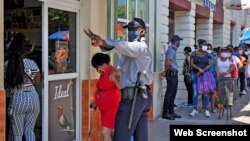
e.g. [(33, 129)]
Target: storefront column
[(221, 32), (240, 20), (185, 28), (93, 15), (204, 29), (161, 40), (2, 91), (236, 34)]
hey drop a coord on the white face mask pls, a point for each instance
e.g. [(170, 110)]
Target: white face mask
[(204, 48), (229, 54), (209, 51), (224, 55)]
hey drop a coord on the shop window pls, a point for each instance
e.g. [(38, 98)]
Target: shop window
[(126, 10), (62, 41)]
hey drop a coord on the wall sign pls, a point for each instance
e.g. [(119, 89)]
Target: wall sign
[(62, 110)]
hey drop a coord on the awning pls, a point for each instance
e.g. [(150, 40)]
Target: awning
[(209, 3)]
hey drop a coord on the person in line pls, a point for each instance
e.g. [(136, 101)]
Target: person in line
[(22, 78), (213, 70), (171, 74), (224, 68), (107, 97), (202, 77), (235, 73), (187, 76), (242, 77), (136, 58)]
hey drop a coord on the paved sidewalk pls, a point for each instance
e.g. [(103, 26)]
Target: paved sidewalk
[(159, 129)]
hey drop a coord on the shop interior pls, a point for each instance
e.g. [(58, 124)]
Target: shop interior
[(25, 16)]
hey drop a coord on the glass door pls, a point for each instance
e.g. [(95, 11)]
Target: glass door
[(61, 73)]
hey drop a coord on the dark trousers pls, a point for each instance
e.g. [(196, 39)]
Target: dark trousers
[(189, 87), (139, 128), (172, 86), (242, 81)]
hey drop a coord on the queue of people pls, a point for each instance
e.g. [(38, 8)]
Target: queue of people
[(212, 73)]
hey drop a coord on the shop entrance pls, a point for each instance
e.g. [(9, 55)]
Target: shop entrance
[(51, 31), (25, 16)]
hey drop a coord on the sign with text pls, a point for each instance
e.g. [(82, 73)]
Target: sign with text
[(62, 110), (212, 132)]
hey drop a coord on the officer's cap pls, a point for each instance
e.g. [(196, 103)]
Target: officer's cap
[(175, 38), (135, 22)]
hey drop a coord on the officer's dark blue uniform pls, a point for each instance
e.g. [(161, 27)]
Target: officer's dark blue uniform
[(134, 57)]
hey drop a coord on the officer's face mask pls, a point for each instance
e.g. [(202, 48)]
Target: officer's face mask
[(133, 35)]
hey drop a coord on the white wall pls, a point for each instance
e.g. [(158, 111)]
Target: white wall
[(185, 28), (204, 29), (221, 32), (93, 15), (162, 29)]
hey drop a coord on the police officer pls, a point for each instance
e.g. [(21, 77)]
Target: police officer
[(135, 57), (171, 73)]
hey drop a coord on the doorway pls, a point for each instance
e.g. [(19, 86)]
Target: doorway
[(25, 16)]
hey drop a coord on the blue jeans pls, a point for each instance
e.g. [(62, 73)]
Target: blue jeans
[(195, 92)]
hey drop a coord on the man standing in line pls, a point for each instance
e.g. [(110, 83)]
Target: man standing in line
[(171, 74), (135, 58)]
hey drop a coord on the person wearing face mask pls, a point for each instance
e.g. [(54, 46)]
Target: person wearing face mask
[(235, 73), (224, 68), (135, 58), (242, 78), (171, 74), (213, 70), (187, 76), (203, 79), (107, 97)]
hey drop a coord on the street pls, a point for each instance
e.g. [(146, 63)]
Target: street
[(159, 129)]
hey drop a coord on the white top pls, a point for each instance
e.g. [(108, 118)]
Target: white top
[(224, 66), (235, 59)]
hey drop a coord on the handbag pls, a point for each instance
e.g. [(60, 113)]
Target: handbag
[(235, 73)]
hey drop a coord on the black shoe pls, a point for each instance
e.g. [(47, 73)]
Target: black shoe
[(168, 116), (176, 115), (175, 105)]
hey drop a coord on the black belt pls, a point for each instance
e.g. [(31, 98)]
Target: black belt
[(128, 92), (172, 72)]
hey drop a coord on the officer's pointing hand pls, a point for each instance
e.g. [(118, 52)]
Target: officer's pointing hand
[(95, 39)]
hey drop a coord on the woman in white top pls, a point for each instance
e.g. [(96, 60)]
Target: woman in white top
[(224, 68)]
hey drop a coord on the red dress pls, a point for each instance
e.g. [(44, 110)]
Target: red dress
[(107, 98)]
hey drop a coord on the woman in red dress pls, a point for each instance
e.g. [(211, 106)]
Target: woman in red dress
[(107, 97)]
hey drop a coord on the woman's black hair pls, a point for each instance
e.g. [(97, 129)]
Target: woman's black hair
[(188, 49), (99, 59), (15, 68), (209, 44)]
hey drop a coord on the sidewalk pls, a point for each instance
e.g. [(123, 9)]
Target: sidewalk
[(159, 129)]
